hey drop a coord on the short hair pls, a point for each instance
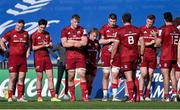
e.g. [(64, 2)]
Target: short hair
[(168, 17), (42, 22), (113, 16), (126, 18), (21, 21), (151, 17), (76, 16), (94, 30)]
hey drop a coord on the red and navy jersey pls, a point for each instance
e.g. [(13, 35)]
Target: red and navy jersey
[(92, 50)]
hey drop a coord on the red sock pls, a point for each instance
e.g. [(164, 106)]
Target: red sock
[(10, 93), (20, 90), (52, 92), (39, 92), (174, 91), (114, 86), (130, 87), (141, 92), (84, 91), (137, 87), (147, 93), (166, 95), (72, 90)]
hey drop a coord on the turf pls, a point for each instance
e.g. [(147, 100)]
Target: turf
[(89, 105)]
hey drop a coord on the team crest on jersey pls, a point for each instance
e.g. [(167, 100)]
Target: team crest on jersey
[(10, 68), (79, 32), (47, 36), (39, 37), (15, 35), (130, 31), (165, 64), (37, 67), (25, 35), (145, 32), (108, 31), (69, 33), (125, 66)]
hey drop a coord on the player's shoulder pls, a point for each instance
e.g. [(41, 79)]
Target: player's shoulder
[(46, 33), (66, 28), (142, 27), (105, 26), (34, 34), (25, 32), (80, 28), (10, 31), (162, 27)]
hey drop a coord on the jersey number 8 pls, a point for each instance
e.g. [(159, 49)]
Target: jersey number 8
[(130, 40)]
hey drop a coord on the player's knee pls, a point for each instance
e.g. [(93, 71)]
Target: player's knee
[(81, 70), (115, 70), (106, 70)]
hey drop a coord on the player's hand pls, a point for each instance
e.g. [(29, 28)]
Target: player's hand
[(4, 49), (27, 54), (153, 41), (111, 61), (140, 59), (111, 40), (178, 62), (154, 33), (77, 44), (46, 45)]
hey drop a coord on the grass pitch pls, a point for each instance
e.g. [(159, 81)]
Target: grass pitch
[(94, 104)]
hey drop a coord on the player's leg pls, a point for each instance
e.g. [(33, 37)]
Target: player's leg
[(71, 86), (39, 76), (178, 81), (83, 83), (165, 65), (141, 81), (20, 87), (49, 72), (136, 81), (127, 69), (174, 84), (115, 78), (105, 82), (130, 84), (81, 70), (21, 78), (126, 95), (38, 64), (14, 88), (12, 77), (89, 78), (148, 88), (165, 73)]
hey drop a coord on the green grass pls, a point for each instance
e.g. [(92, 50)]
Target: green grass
[(89, 105)]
